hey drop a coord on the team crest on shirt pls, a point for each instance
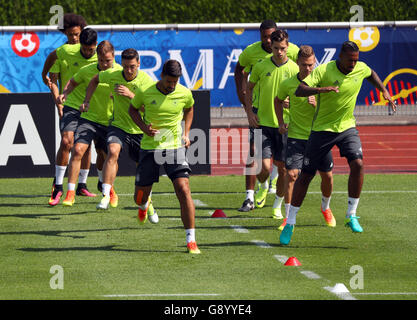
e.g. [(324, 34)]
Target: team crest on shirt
[(336, 83), (289, 161), (306, 161), (153, 102), (268, 74)]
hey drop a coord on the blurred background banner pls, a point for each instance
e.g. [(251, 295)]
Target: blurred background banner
[(210, 56)]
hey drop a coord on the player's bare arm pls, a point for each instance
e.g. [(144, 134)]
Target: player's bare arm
[(241, 80), (252, 117), (304, 90), (69, 87), (279, 112), (188, 119), (377, 83), (49, 62), (137, 118), (91, 88), (124, 91), (55, 93)]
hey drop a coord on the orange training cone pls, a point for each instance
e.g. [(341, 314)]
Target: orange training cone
[(218, 214), (292, 261)]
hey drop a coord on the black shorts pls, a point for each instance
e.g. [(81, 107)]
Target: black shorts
[(88, 131), (274, 144), (119, 136), (69, 120), (174, 162), (321, 142), (295, 156)]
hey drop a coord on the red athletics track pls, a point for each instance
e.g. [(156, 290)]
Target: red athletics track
[(386, 149)]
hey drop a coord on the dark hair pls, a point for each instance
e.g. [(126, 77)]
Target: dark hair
[(129, 54), (268, 24), (88, 36), (104, 47), (73, 20), (349, 46), (279, 35), (172, 68), (305, 52)]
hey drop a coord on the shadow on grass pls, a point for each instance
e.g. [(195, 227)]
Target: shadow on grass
[(61, 233), (23, 196), (49, 216), (273, 245), (109, 248)]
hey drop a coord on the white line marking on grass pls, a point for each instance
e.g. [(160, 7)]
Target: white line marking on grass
[(310, 274), (341, 295), (160, 295), (239, 229), (312, 192), (280, 258), (261, 244), (199, 203)]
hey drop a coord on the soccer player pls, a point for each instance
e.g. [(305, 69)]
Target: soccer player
[(253, 54), (166, 103), (301, 116), (268, 74), (93, 122), (338, 83), (73, 25), (70, 58), (122, 130)]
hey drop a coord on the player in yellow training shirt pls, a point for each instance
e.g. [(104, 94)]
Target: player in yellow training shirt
[(338, 84)]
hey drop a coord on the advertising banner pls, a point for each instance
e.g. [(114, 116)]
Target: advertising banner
[(210, 56)]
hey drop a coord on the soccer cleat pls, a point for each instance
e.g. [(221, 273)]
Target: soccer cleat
[(328, 217), (104, 203), (69, 199), (260, 197), (152, 215), (353, 223), (276, 213), (192, 248), (83, 191), (143, 215), (56, 195), (283, 224), (286, 234), (246, 206), (114, 198)]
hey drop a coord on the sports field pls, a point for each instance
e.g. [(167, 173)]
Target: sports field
[(108, 255)]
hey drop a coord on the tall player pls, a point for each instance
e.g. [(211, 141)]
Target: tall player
[(93, 122), (70, 58), (268, 74), (253, 54), (122, 131), (302, 110), (166, 103), (338, 82)]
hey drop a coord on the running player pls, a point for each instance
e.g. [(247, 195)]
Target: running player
[(73, 25), (93, 122), (70, 58), (269, 74), (122, 131), (338, 83), (253, 54), (166, 103), (302, 111)]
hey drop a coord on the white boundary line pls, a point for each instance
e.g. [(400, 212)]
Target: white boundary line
[(160, 295), (385, 293)]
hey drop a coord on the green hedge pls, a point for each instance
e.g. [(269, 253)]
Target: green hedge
[(22, 12)]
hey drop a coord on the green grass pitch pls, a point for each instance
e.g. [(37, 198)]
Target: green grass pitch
[(108, 255)]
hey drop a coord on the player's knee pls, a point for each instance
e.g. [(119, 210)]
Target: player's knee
[(78, 151), (356, 165), (292, 175), (67, 142)]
